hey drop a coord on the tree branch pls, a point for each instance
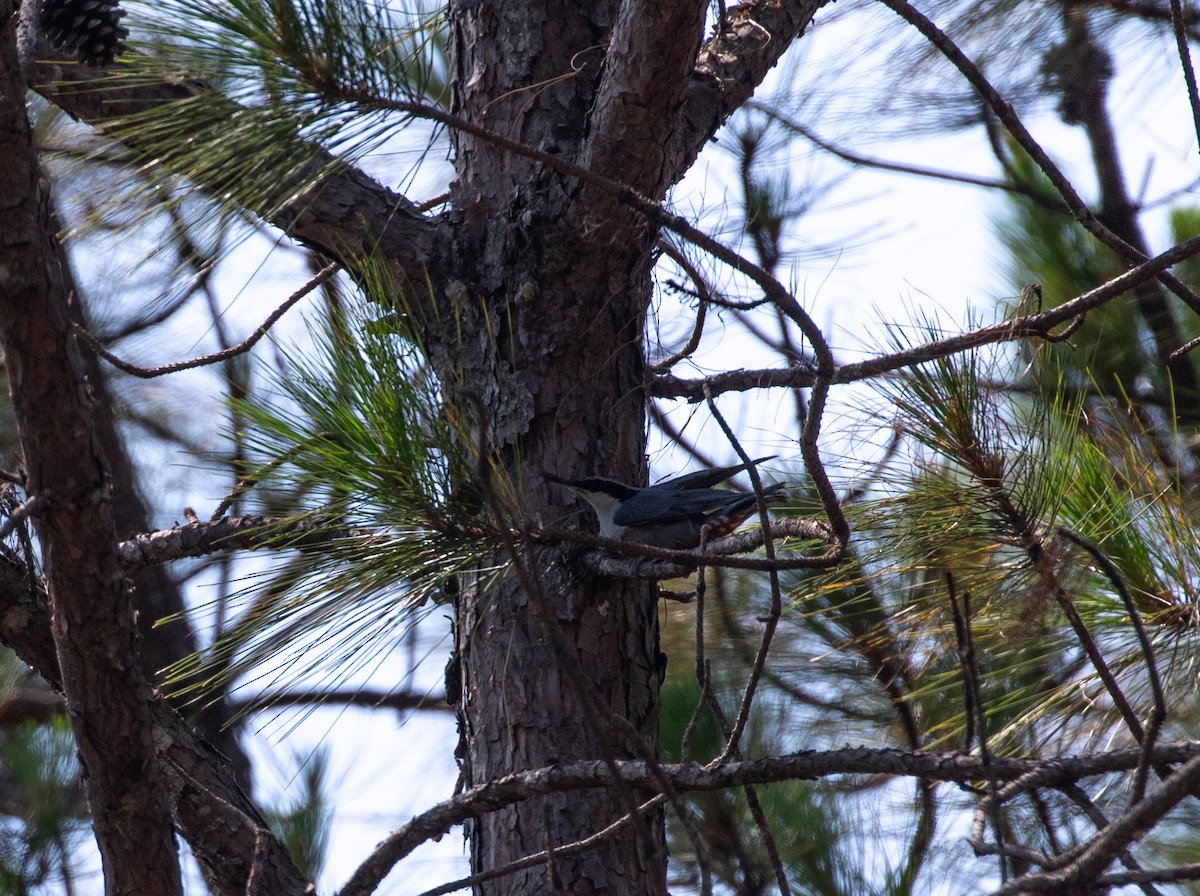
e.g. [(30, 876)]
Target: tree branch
[(232, 534), (328, 205), (225, 354), (807, 765), (214, 815), (1030, 326), (1041, 197), (729, 68)]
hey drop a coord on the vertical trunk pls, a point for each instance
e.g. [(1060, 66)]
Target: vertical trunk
[(108, 700), (155, 594), (1083, 70), (549, 307)]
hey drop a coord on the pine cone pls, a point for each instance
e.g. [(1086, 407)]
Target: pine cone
[(92, 28)]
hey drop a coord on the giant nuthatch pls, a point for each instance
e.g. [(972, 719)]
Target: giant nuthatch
[(670, 514)]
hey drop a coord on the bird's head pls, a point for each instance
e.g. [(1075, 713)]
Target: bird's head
[(604, 494)]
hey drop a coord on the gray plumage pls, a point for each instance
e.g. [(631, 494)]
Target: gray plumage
[(670, 514)]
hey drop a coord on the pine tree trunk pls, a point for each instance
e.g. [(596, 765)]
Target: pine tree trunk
[(109, 702), (554, 282)]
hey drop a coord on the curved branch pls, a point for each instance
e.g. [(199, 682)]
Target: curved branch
[(92, 342), (691, 776), (971, 180), (1030, 326)]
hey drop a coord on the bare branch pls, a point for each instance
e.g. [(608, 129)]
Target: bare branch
[(539, 858), (1179, 26), (734, 736), (216, 357), (21, 513), (1094, 814), (704, 294), (1150, 875), (685, 777), (1031, 326), (233, 534)]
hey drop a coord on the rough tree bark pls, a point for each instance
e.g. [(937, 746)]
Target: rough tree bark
[(108, 699), (550, 288), (558, 674)]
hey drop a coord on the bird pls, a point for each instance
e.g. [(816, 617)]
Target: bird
[(671, 514)]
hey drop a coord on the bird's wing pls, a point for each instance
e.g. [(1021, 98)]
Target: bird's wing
[(706, 479), (672, 506)]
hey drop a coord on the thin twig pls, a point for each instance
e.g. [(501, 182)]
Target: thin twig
[(1042, 198), (1042, 811), (1032, 326), (776, 609), (864, 485), (721, 553), (538, 858), (733, 738), (234, 534), (400, 701), (700, 669), (704, 294), (1179, 26), (677, 438), (250, 480), (242, 347), (1096, 658), (1159, 714), (22, 512), (1146, 877), (976, 714)]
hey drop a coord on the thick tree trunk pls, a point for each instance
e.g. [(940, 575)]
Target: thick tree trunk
[(108, 699), (554, 283)]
